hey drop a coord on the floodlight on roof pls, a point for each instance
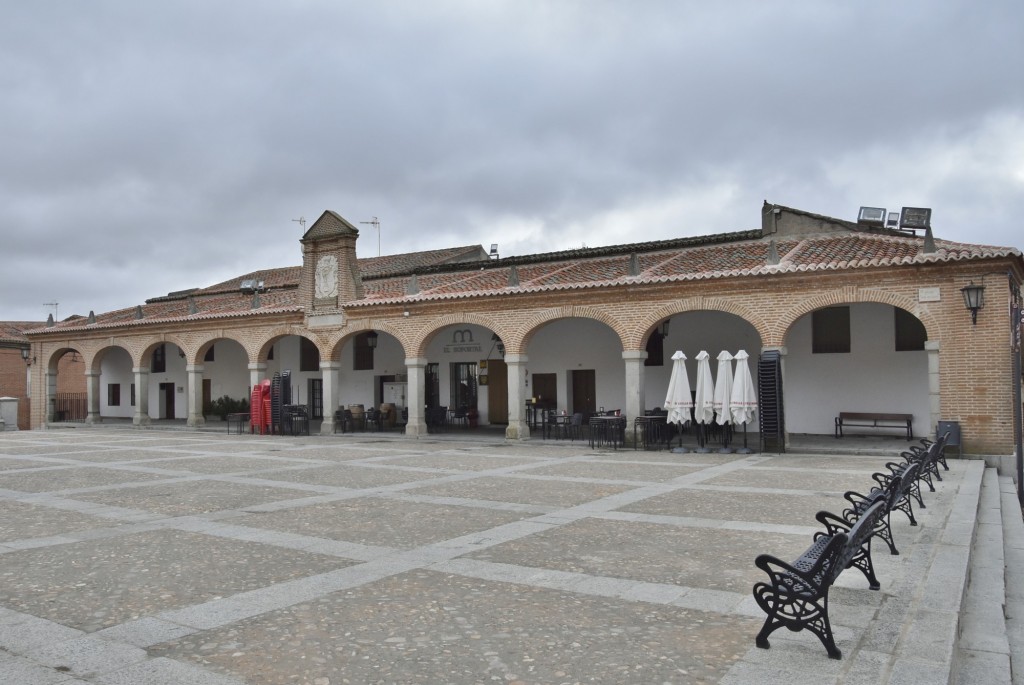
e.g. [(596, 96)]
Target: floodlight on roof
[(871, 216), (494, 251), (916, 218), (893, 221)]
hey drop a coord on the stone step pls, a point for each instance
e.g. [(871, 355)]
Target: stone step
[(1013, 552), (983, 648)]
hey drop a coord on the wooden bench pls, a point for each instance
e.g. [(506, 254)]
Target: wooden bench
[(796, 596), (863, 419)]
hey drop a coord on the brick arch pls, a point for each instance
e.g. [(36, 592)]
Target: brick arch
[(847, 295), (353, 327), (272, 335), (96, 354), (202, 344), (538, 320), (640, 333), (419, 346), (146, 352), (53, 357)]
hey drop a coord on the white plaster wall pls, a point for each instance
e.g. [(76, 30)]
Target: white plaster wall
[(228, 372), (478, 348), (692, 332), (174, 373), (116, 367), (358, 387), (575, 344), (873, 377)]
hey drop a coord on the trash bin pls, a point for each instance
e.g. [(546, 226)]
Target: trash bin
[(953, 428)]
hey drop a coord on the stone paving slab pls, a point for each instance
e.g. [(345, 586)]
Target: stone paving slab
[(366, 559)]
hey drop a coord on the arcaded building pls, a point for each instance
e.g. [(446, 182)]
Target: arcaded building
[(857, 317)]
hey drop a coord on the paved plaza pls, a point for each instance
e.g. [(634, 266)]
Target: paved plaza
[(137, 557)]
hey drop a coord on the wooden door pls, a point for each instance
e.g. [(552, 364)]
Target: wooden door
[(167, 399), (497, 391), (584, 391), (545, 389), (207, 393)]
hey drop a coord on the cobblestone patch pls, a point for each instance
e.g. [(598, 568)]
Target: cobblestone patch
[(21, 521), (95, 584), (461, 462), (13, 464), (782, 479), (350, 476), (738, 506), (383, 522), (708, 558), (424, 627), (613, 470), (191, 497), (53, 479), (534, 491)]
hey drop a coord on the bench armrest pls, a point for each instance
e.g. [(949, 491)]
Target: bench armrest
[(833, 524), (783, 575)]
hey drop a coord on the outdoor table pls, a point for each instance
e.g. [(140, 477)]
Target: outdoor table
[(651, 431), (607, 430), (558, 423), (237, 420)]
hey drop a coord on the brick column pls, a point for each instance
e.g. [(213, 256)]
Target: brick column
[(194, 388), (934, 398), (141, 417), (518, 429), (416, 367)]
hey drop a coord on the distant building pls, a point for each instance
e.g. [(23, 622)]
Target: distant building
[(853, 318), (16, 365)]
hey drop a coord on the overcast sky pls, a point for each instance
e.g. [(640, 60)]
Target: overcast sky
[(148, 147)]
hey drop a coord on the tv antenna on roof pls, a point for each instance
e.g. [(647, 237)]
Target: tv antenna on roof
[(375, 222), (54, 305), (301, 221)]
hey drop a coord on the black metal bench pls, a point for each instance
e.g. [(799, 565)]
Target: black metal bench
[(929, 455), (895, 493), (796, 596), (862, 419)]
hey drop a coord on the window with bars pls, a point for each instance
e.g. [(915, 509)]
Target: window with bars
[(463, 385)]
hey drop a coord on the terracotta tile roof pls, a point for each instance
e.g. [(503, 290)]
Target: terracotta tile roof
[(14, 331), (395, 264), (745, 257), (685, 259)]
